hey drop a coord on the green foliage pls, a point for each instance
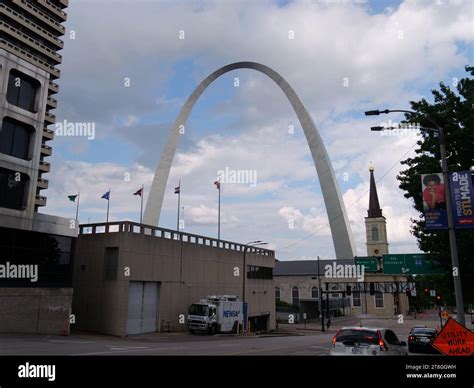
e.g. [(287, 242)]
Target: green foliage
[(453, 110)]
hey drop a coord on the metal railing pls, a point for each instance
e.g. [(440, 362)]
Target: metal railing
[(170, 234)]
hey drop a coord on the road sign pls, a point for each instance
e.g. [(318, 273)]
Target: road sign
[(410, 264), (445, 314), (370, 263), (454, 339), (433, 293)]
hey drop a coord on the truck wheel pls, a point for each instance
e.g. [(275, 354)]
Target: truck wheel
[(191, 331)]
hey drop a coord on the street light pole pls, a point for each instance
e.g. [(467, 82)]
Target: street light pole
[(449, 208), (320, 294)]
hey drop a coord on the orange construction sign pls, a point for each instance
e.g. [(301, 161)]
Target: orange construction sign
[(454, 339)]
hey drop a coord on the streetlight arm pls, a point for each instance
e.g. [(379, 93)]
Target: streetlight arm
[(386, 111)]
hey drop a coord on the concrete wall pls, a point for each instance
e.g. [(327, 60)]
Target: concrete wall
[(186, 271), (35, 310)]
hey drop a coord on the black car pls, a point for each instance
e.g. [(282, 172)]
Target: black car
[(420, 340)]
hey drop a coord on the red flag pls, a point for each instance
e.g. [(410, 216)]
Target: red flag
[(139, 192), (218, 184)]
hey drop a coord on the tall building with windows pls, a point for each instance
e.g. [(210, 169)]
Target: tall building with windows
[(375, 223), (30, 41)]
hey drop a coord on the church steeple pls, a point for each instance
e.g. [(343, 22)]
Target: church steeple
[(374, 206), (375, 223)]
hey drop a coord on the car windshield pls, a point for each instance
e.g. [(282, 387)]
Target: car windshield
[(424, 331), (198, 309), (353, 336)]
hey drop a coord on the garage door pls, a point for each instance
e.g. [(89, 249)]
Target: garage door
[(142, 307)]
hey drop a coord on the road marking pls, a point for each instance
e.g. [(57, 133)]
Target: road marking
[(132, 350), (71, 342), (126, 347), (268, 349)]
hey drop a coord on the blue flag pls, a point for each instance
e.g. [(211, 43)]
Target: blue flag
[(106, 195)]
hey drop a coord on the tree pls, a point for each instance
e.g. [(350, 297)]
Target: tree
[(453, 110)]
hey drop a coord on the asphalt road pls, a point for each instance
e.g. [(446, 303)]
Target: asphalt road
[(297, 341), (165, 344)]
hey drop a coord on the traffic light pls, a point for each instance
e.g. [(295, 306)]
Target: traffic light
[(427, 291), (372, 288), (348, 290), (438, 299)]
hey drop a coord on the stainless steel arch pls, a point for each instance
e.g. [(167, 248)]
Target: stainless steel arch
[(338, 221)]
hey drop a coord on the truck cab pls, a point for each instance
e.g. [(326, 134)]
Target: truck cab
[(202, 317)]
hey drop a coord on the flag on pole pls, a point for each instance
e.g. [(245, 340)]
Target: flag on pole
[(139, 192), (218, 184), (177, 190), (73, 198), (107, 197)]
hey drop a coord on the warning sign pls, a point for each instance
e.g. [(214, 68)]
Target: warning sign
[(445, 314), (454, 339)]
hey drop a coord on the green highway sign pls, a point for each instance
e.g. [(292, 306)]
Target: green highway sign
[(370, 263), (411, 264)]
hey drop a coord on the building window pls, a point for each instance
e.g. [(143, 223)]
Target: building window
[(379, 300), (255, 272), (15, 138), (13, 189), (22, 90), (53, 255), (277, 294), (356, 302), (335, 294), (375, 233), (314, 293), (295, 296)]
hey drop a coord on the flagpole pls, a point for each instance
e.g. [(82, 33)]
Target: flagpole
[(108, 205), (141, 205), (77, 206), (219, 216), (179, 202)]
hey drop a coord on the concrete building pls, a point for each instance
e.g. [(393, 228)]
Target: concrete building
[(132, 278), (30, 34), (296, 283)]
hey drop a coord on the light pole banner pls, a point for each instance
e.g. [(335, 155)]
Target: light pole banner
[(462, 193), (434, 201)]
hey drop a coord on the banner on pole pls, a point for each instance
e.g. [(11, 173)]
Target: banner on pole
[(434, 201), (462, 193)]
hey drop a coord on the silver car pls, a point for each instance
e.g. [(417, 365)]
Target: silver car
[(367, 341)]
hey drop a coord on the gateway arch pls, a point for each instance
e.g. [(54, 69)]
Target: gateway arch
[(338, 221)]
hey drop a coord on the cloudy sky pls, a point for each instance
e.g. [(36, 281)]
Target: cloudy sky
[(129, 66)]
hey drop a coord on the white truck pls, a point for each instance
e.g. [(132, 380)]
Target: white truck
[(217, 314)]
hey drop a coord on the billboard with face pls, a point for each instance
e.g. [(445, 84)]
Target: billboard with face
[(434, 200)]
